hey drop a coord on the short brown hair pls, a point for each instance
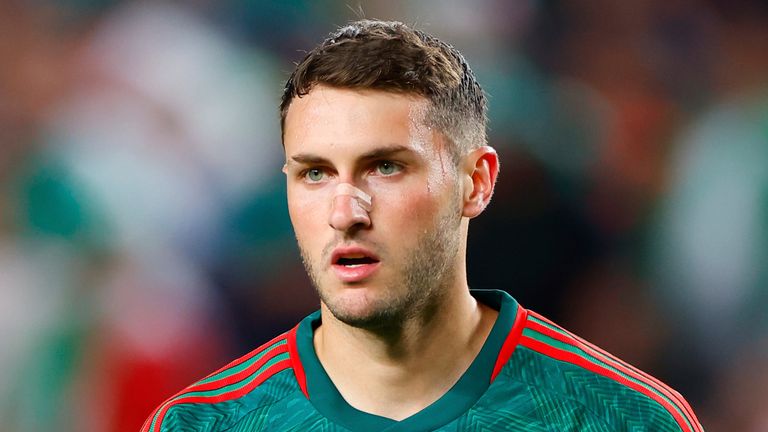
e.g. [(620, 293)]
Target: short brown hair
[(390, 56)]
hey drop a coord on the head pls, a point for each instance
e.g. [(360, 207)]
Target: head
[(391, 57), (397, 114)]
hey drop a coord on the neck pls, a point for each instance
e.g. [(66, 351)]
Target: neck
[(396, 372)]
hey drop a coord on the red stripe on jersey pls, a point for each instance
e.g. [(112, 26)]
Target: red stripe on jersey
[(238, 361), (510, 343), (231, 379), (147, 422), (623, 366), (160, 411), (275, 368), (298, 369), (572, 358)]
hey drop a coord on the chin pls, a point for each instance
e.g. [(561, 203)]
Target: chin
[(360, 307), (349, 301), (351, 305)]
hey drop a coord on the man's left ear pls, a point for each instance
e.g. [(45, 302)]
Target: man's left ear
[(479, 170)]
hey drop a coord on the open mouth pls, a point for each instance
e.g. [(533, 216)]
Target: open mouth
[(353, 262), (352, 256)]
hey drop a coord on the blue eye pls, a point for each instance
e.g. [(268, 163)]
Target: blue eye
[(387, 168), (314, 174)]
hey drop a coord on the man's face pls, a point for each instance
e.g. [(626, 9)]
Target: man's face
[(380, 267)]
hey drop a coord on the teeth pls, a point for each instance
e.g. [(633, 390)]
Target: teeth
[(353, 265)]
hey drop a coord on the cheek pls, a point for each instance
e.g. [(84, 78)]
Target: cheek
[(417, 202), (307, 212), (404, 210)]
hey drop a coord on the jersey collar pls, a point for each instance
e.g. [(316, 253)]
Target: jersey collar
[(324, 396)]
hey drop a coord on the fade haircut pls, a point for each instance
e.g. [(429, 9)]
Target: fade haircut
[(391, 57)]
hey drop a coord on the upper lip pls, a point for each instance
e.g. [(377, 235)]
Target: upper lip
[(352, 251)]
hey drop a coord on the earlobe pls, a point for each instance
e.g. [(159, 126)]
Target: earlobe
[(482, 169)]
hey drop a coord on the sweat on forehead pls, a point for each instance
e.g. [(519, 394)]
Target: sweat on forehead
[(328, 117)]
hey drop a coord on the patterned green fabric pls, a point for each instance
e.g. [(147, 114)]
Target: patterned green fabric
[(535, 390)]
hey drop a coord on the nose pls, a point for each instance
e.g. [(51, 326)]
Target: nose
[(348, 212)]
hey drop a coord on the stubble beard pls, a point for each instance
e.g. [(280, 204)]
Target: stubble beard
[(426, 272)]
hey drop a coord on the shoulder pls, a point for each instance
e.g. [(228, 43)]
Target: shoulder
[(565, 368), (260, 377)]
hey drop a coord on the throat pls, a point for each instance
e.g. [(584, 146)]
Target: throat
[(405, 369)]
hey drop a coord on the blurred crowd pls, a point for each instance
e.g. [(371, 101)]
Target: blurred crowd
[(144, 234)]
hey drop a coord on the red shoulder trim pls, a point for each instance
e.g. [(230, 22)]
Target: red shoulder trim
[(510, 343), (298, 369)]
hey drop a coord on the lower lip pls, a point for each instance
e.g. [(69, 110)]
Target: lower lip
[(355, 274)]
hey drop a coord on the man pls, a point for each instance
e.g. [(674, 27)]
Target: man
[(386, 163)]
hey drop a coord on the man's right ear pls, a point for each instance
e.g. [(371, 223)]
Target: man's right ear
[(479, 169)]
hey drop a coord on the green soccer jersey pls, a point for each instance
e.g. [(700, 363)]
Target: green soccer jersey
[(530, 375)]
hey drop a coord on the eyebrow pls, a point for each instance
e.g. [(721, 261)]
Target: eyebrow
[(377, 153)]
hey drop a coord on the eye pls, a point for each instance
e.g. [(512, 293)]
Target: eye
[(314, 175), (387, 168)]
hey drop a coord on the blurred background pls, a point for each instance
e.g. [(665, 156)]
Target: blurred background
[(144, 234)]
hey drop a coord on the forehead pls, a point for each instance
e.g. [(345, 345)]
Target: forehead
[(334, 119)]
